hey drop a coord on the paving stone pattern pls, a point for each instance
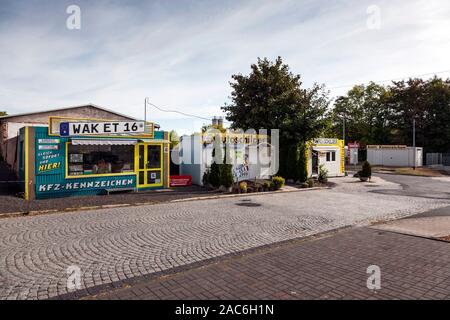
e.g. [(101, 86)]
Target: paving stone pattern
[(121, 243), (330, 268)]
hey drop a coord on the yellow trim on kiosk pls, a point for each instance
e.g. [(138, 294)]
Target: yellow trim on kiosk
[(145, 136), (145, 170), (168, 165), (26, 193), (81, 176)]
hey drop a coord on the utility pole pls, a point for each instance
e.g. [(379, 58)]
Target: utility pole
[(145, 110), (343, 129)]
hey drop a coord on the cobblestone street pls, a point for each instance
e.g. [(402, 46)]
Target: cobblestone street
[(330, 268), (121, 243)]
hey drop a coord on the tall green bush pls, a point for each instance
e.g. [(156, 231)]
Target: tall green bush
[(226, 170), (292, 162), (206, 177), (214, 176), (302, 164), (366, 171)]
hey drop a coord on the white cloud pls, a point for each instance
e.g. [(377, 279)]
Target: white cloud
[(182, 54)]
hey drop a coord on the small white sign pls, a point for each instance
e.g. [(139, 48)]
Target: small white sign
[(48, 141), (325, 141), (48, 147)]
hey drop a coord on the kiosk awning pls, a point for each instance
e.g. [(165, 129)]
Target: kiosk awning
[(103, 142)]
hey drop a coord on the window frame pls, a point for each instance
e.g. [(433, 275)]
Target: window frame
[(95, 175)]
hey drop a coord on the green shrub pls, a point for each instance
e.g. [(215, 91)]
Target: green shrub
[(277, 182), (302, 170), (205, 178), (226, 169), (323, 174), (214, 176), (292, 162), (310, 183), (266, 185), (243, 186), (226, 175)]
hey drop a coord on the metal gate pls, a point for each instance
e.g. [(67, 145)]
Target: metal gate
[(442, 159)]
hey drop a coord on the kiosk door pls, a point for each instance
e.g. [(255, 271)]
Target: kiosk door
[(315, 162), (149, 165)]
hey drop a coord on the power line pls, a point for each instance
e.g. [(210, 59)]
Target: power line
[(395, 79), (180, 112), (330, 88)]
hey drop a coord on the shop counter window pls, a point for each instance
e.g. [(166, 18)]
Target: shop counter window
[(100, 159)]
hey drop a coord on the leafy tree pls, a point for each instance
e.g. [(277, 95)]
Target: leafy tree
[(365, 112), (436, 132), (271, 97), (3, 113), (383, 115), (428, 102)]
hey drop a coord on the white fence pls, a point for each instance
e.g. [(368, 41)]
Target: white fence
[(438, 159)]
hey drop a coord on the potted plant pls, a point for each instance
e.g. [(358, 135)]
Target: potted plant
[(243, 187), (366, 172), (323, 174)]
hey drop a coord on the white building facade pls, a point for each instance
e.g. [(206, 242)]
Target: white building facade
[(395, 155)]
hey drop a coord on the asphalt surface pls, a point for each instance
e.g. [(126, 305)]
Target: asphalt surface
[(416, 186), (422, 187)]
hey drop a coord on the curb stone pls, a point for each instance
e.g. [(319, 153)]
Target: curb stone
[(238, 195), (109, 206)]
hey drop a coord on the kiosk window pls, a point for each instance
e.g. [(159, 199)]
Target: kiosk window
[(100, 159), (331, 156), (154, 157)]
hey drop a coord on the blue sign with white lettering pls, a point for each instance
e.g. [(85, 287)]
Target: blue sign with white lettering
[(64, 129)]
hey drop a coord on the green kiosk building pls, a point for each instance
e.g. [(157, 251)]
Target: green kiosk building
[(84, 156)]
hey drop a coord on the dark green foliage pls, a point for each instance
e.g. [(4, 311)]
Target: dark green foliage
[(302, 164), (366, 171), (206, 177), (226, 171), (271, 97), (277, 182), (291, 163), (376, 114), (323, 174), (214, 176)]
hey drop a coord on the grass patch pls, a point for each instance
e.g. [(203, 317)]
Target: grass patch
[(423, 171)]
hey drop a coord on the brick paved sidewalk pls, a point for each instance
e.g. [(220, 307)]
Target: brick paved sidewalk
[(329, 268)]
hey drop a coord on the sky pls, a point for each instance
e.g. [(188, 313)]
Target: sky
[(182, 54)]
